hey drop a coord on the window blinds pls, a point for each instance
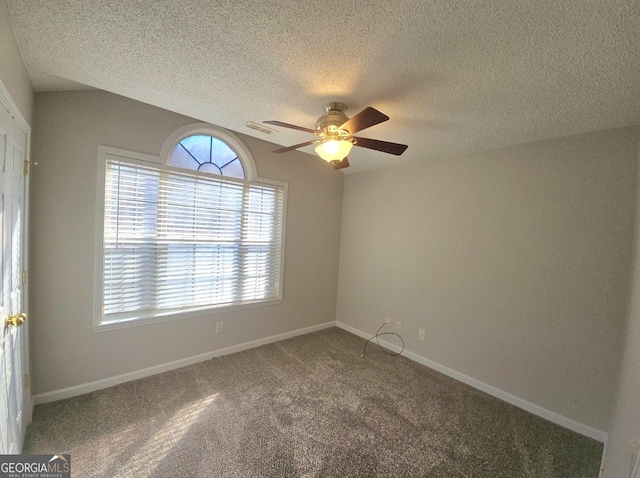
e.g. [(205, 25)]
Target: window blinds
[(176, 241)]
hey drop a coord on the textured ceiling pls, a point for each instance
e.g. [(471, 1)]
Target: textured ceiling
[(454, 76)]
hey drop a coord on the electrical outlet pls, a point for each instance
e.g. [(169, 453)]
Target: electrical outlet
[(386, 323), (398, 326), (219, 327), (421, 334)]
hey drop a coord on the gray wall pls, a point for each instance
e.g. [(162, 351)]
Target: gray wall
[(13, 74), (625, 424), (67, 130), (516, 262)]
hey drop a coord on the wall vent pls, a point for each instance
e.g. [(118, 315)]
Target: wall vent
[(260, 127)]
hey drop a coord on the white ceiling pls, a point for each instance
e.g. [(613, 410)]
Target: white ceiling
[(454, 76)]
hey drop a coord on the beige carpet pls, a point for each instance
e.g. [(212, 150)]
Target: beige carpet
[(305, 407)]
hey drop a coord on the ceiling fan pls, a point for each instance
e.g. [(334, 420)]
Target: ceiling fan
[(335, 130)]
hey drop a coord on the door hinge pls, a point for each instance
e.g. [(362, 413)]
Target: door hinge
[(26, 168), (25, 277)]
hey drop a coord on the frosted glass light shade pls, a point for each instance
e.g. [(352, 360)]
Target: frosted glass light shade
[(333, 150)]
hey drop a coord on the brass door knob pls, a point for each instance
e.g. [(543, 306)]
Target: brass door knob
[(16, 320)]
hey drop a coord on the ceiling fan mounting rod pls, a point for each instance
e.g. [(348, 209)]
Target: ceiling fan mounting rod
[(335, 106)]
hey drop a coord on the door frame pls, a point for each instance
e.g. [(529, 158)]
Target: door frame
[(27, 395)]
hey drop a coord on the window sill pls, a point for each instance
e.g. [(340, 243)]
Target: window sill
[(156, 318)]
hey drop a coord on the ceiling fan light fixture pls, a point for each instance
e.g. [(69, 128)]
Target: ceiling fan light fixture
[(335, 131), (334, 150)]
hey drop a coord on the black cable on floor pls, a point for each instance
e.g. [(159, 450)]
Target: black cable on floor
[(378, 334)]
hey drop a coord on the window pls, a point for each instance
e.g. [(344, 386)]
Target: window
[(183, 237), (207, 154)]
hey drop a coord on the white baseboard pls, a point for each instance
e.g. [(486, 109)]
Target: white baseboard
[(147, 372), (603, 460), (542, 412), (496, 392)]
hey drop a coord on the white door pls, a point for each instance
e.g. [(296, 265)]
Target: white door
[(13, 341)]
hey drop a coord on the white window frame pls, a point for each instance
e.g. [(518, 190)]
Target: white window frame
[(104, 153)]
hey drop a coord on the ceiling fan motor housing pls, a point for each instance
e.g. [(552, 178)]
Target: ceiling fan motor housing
[(334, 115)]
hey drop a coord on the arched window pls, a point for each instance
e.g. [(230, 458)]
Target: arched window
[(191, 231), (207, 154), (204, 148)]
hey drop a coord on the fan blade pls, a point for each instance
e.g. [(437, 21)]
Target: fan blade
[(365, 119), (295, 146), (291, 126), (384, 146), (340, 164)]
